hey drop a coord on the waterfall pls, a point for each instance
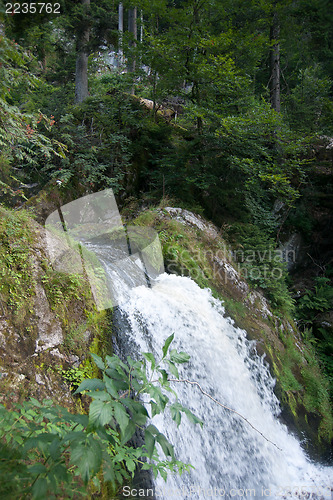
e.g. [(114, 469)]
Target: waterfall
[(230, 458)]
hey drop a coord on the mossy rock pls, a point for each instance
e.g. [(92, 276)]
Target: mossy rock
[(48, 320)]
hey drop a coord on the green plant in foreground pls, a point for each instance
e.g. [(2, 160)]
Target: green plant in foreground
[(48, 452)]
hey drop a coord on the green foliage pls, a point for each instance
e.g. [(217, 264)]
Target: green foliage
[(76, 338), (320, 299), (318, 390), (22, 135), (324, 349), (97, 134), (300, 373), (313, 303), (309, 105), (62, 287), (75, 376), (17, 284), (260, 263), (300, 218), (55, 453), (288, 380)]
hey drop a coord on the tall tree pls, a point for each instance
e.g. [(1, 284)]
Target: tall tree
[(121, 31), (132, 28), (66, 41), (275, 84), (82, 49)]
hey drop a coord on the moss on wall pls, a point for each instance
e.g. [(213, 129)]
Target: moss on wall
[(48, 320)]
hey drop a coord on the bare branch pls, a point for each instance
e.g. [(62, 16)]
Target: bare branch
[(316, 263), (223, 406)]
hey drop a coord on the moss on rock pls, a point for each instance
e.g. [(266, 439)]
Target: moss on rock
[(48, 320)]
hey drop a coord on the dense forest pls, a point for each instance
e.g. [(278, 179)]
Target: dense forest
[(221, 107)]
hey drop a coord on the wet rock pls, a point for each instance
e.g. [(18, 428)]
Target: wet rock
[(323, 148), (194, 220), (39, 379), (224, 268), (291, 251), (49, 328), (229, 274), (260, 304)]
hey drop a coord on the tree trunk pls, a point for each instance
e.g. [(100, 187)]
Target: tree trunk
[(141, 26), (132, 28), (81, 67), (275, 64), (121, 31)]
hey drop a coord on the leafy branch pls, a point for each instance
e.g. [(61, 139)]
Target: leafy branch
[(53, 451)]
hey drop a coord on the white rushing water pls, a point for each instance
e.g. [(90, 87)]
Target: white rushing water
[(230, 459)]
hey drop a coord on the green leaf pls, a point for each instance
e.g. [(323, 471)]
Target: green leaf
[(79, 419), (90, 384), (121, 416), (37, 469), (40, 441), (39, 489), (175, 414), (173, 369), (110, 387), (74, 436), (192, 418), (163, 474), (149, 443), (119, 381), (61, 472), (119, 477), (155, 409), (108, 471), (87, 456), (130, 464), (138, 410), (152, 429), (167, 344), (150, 357), (55, 450), (36, 403), (160, 398), (100, 413), (179, 357), (98, 360), (166, 446), (128, 433), (139, 418), (101, 395), (164, 376), (111, 361)]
